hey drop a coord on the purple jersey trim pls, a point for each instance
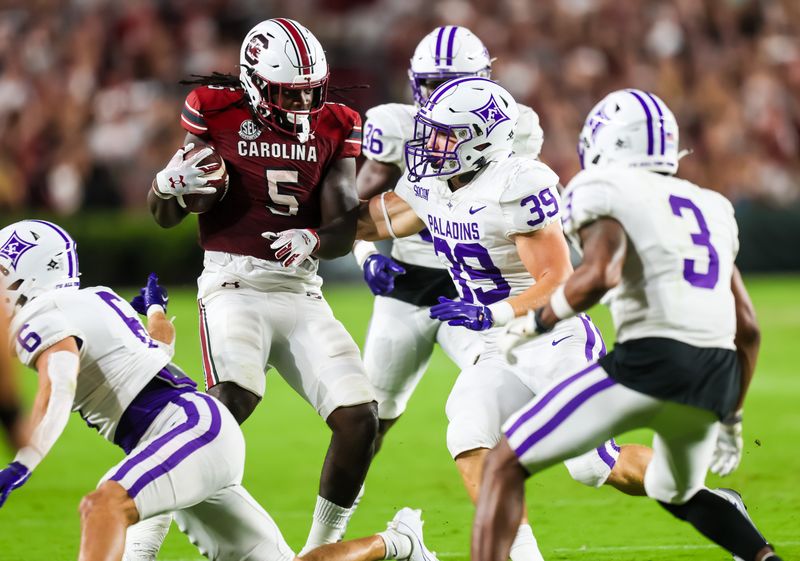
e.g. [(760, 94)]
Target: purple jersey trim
[(607, 458), (590, 337)]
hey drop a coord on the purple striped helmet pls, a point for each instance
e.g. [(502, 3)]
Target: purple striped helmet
[(633, 128), (35, 257), (445, 53)]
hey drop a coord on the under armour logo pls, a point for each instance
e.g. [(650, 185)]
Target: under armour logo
[(176, 182), (234, 284)]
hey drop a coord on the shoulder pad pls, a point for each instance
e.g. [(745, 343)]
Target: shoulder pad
[(386, 131)]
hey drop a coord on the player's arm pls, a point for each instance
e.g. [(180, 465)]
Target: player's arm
[(152, 301), (375, 178), (58, 377), (604, 244), (339, 203), (165, 208), (387, 216), (748, 334)]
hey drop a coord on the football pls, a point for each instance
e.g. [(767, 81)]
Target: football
[(217, 175)]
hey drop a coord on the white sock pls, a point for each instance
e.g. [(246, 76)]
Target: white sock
[(397, 545), (351, 511), (144, 539), (327, 526), (525, 547)]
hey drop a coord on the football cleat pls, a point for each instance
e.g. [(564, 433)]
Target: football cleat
[(408, 522)]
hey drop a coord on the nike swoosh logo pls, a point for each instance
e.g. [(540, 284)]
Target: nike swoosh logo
[(557, 341), (474, 210)]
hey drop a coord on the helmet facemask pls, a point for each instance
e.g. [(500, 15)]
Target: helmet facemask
[(434, 149)]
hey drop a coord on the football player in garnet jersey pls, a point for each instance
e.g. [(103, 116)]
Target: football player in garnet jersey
[(9, 398), (290, 156)]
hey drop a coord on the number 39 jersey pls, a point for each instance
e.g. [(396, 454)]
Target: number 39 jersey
[(682, 242), (274, 178), (473, 227), (386, 131), (117, 356)]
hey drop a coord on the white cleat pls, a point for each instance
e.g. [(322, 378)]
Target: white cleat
[(408, 522)]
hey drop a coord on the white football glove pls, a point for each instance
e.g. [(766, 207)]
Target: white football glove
[(184, 177), (516, 332), (295, 245), (728, 452)]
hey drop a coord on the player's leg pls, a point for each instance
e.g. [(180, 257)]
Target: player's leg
[(568, 418), (396, 353), (683, 445), (483, 396), (316, 355), (105, 515), (235, 341), (143, 540)]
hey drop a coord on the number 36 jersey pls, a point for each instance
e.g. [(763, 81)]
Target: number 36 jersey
[(682, 242), (386, 131), (117, 356), (473, 228)]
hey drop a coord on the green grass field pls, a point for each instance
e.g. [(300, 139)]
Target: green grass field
[(286, 443)]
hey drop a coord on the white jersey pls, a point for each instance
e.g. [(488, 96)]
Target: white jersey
[(472, 228), (682, 242), (386, 131), (117, 356)]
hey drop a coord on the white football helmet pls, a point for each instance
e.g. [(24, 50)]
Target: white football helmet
[(35, 257), (632, 128), (476, 116), (280, 59), (445, 53)]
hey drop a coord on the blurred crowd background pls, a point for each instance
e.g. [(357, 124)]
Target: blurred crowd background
[(90, 100)]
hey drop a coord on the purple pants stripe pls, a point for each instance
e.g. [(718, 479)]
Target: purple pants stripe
[(547, 398), (614, 445), (562, 414), (649, 116), (590, 338), (605, 456), (602, 343), (193, 418), (184, 451)]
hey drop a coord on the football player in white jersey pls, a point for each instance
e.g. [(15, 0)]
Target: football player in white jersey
[(185, 451), (401, 333), (494, 219), (661, 251)]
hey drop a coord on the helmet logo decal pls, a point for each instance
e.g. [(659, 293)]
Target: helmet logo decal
[(491, 114), (254, 48), (14, 248), (249, 130)]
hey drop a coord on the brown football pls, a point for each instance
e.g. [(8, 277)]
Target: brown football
[(217, 175)]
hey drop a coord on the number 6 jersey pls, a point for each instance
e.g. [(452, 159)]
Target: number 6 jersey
[(472, 228), (682, 242)]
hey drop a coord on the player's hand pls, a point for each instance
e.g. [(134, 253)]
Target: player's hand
[(184, 177), (476, 317), (728, 452), (379, 272), (152, 294), (292, 247), (13, 477), (515, 333)]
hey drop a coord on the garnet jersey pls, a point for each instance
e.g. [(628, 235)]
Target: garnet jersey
[(682, 243), (274, 178)]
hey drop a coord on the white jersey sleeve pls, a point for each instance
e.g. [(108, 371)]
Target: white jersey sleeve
[(40, 331), (530, 200), (386, 130), (528, 137)]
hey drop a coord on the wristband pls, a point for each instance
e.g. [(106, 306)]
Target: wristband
[(502, 313), (733, 418), (559, 304), (363, 249)]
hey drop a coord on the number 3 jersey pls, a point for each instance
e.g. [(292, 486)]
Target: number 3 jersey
[(473, 228), (682, 242), (274, 178), (117, 356), (387, 129)]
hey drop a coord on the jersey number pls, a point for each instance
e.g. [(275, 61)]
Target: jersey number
[(372, 139), (133, 323), (281, 203), (546, 199), (458, 256), (703, 239), (29, 341)]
